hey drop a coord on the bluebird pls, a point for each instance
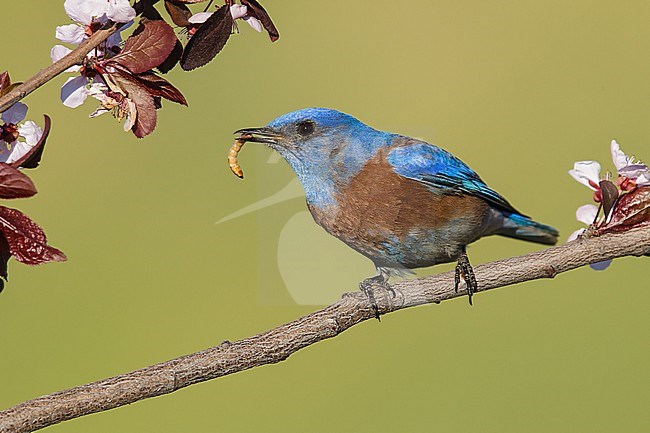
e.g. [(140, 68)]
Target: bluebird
[(400, 201)]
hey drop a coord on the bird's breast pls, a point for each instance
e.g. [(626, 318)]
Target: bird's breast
[(399, 222)]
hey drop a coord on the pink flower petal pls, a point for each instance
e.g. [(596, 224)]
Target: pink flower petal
[(644, 179), (585, 171), (254, 23), (200, 17), (626, 166), (18, 150), (618, 157), (58, 52), (587, 214), (4, 150), (73, 92), (115, 39), (71, 34), (573, 236), (84, 11), (14, 114), (120, 11), (600, 266), (131, 115), (31, 132), (238, 11), (633, 171)]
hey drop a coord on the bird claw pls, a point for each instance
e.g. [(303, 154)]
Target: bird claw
[(465, 269), (366, 287)]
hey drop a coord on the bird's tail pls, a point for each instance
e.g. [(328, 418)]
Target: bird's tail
[(520, 227)]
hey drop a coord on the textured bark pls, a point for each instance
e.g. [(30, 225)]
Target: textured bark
[(45, 75), (279, 343)]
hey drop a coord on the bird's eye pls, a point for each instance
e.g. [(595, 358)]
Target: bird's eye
[(305, 128)]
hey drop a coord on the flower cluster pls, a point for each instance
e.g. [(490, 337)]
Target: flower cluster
[(624, 200), (209, 31), (89, 16), (631, 172), (21, 146), (121, 75), (16, 138)]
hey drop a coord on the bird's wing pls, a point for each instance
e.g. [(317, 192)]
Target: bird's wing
[(442, 172)]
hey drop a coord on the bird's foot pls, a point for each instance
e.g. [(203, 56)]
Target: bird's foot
[(465, 269), (366, 287)]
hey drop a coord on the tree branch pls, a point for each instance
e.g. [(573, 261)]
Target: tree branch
[(44, 75), (278, 344), (76, 57)]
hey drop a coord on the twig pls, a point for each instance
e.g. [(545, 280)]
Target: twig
[(278, 344), (44, 75), (75, 57)]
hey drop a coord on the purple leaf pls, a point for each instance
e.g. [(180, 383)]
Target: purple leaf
[(147, 47), (178, 12), (26, 239), (158, 86), (32, 158), (209, 39), (145, 121), (150, 12), (5, 81), (14, 184), (172, 60), (632, 210), (256, 10), (5, 255), (609, 194)]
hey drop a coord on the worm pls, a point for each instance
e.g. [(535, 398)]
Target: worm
[(232, 156)]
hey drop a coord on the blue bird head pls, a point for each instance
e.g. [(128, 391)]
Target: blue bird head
[(324, 147)]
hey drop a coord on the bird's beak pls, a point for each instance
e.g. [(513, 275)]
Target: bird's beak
[(259, 135)]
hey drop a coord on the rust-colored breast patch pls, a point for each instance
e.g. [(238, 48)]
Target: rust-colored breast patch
[(379, 207)]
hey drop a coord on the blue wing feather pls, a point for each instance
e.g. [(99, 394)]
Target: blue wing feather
[(443, 172)]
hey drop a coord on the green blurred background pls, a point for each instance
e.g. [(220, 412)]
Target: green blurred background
[(518, 90)]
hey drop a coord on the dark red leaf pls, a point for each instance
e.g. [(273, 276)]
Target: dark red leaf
[(14, 184), (609, 194), (172, 60), (145, 121), (150, 13), (32, 158), (632, 210), (209, 39), (26, 239), (256, 10), (5, 81), (5, 255), (158, 86), (179, 13), (189, 1), (147, 47)]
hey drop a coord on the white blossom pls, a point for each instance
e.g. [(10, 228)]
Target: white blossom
[(29, 133), (629, 167), (238, 12)]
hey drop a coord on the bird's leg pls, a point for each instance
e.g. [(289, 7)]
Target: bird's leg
[(365, 286), (465, 269)]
